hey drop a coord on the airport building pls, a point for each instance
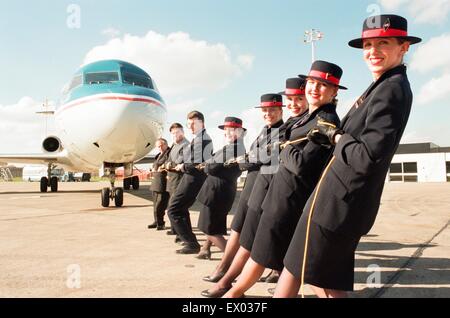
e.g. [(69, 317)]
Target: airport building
[(420, 162)]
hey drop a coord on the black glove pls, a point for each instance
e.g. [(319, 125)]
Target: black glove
[(324, 133)]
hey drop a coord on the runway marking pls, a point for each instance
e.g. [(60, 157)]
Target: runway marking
[(417, 254)]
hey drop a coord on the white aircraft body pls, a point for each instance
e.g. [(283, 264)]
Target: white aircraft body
[(110, 117)]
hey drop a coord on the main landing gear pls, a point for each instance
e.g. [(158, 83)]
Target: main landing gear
[(131, 182), (49, 181)]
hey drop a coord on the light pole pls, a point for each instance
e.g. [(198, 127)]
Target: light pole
[(312, 36)]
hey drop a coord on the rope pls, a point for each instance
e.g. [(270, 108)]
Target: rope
[(302, 284), (291, 142)]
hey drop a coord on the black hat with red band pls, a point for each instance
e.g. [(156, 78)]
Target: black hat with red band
[(325, 72), (271, 100), (232, 122), (294, 87), (384, 26)]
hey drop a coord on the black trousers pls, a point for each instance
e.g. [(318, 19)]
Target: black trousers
[(160, 203), (178, 210)]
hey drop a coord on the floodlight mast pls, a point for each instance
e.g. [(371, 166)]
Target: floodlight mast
[(312, 36)]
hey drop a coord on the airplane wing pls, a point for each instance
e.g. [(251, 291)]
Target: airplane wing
[(147, 159), (33, 158)]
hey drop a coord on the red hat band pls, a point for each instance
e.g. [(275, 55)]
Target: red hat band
[(232, 124), (375, 33), (271, 104), (294, 91), (325, 76)]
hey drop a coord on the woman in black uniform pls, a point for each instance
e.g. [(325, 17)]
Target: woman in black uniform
[(345, 202), (300, 167), (297, 106), (218, 191), (252, 169)]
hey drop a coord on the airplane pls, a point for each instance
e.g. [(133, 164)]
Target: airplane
[(110, 116)]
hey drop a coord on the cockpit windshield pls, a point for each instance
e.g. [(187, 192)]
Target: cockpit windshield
[(76, 81), (101, 77), (137, 80)]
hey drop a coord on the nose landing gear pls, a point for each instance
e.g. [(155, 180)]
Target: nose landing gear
[(112, 193), (49, 181)]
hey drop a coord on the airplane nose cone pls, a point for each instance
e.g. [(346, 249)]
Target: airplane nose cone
[(120, 129)]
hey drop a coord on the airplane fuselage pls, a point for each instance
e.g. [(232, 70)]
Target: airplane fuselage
[(109, 123)]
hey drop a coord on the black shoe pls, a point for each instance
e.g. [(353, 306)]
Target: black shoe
[(273, 277), (214, 278), (215, 294), (178, 239), (189, 250), (171, 232), (152, 226), (161, 227)]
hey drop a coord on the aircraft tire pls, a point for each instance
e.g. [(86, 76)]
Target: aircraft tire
[(135, 183), (105, 197), (44, 184), (118, 197), (127, 183), (54, 184)]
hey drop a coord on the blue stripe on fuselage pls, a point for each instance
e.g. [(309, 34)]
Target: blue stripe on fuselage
[(119, 88)]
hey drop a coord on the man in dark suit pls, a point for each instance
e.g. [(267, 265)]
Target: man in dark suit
[(176, 157), (200, 150), (158, 186)]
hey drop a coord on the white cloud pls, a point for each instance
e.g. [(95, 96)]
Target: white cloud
[(415, 137), (434, 90), (423, 11), (178, 63), (111, 32), (432, 55), (184, 106), (217, 114), (21, 129)]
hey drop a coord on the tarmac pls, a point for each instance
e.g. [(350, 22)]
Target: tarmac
[(65, 244)]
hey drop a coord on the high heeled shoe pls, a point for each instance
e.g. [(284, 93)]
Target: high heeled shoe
[(204, 254), (215, 294), (214, 278)]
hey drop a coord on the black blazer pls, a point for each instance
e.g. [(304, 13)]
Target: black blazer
[(301, 164), (349, 197), (200, 150), (176, 157), (220, 186), (159, 179)]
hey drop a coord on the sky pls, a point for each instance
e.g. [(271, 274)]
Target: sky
[(217, 57)]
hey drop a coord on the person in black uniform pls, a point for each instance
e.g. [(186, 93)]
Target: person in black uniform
[(346, 200), (200, 150), (272, 116), (271, 105), (176, 157), (158, 186), (297, 105), (219, 190), (301, 164)]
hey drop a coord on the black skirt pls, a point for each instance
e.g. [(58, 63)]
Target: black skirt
[(254, 211), (213, 220), (277, 224), (241, 211), (330, 260)]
